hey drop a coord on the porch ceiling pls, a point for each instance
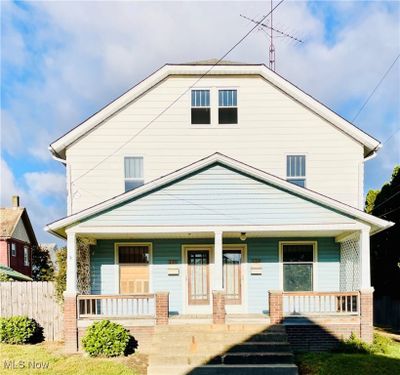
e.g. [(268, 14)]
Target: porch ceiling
[(188, 235)]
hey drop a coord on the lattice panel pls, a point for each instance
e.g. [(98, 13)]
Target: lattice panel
[(350, 265), (83, 264)]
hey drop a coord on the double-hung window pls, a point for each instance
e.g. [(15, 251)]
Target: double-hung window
[(133, 172), (201, 113), (13, 250), (26, 256), (298, 264), (227, 107), (296, 169)]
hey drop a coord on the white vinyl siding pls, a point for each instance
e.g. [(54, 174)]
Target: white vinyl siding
[(133, 172), (272, 125)]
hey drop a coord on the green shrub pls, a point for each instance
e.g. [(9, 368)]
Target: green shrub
[(107, 339), (19, 330), (381, 344), (61, 275), (4, 277), (353, 345)]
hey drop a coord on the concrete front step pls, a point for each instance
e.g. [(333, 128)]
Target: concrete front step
[(255, 358), (224, 359), (178, 348), (274, 369), (228, 338)]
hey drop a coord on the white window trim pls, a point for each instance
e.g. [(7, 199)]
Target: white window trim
[(314, 263), (209, 107), (123, 170), (26, 256), (13, 249), (232, 106), (214, 106), (288, 178), (116, 260)]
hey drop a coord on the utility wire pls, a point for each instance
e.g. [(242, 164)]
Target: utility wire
[(387, 213), (180, 96), (376, 87), (388, 199)]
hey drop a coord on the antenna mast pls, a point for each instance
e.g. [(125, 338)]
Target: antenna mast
[(271, 44), (270, 32)]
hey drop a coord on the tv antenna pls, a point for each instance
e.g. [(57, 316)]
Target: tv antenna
[(270, 33)]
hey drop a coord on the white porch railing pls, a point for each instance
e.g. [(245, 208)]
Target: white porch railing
[(317, 303), (116, 306)]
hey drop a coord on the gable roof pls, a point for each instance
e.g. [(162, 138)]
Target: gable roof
[(377, 224), (370, 144), (9, 219)]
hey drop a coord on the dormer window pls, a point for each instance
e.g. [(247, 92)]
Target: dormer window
[(227, 107), (201, 107), (296, 169), (134, 176)]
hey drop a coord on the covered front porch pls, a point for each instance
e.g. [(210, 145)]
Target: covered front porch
[(221, 275)]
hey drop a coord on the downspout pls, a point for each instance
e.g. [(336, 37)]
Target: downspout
[(56, 157)]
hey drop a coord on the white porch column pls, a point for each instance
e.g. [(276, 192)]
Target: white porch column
[(72, 276), (217, 260), (365, 265)]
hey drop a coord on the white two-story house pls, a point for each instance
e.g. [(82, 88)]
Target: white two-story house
[(217, 191)]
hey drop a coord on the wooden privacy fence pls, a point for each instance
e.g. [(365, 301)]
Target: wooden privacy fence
[(35, 299)]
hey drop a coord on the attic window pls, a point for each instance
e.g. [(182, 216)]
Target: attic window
[(296, 169), (201, 107), (133, 172), (227, 107)]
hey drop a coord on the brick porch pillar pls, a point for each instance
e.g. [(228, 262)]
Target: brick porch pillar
[(366, 315), (218, 300), (70, 322), (275, 306), (162, 308)]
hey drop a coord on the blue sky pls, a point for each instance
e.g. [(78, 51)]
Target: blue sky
[(62, 61)]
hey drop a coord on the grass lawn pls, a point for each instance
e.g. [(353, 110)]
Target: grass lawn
[(60, 363), (351, 364)]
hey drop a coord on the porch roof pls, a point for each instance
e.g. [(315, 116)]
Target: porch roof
[(200, 194)]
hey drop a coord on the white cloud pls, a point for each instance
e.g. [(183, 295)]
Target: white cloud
[(38, 198), (45, 183)]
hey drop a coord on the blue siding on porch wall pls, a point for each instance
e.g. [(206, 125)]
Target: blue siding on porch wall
[(104, 274)]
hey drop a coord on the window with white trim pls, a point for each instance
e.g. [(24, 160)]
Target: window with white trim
[(296, 169), (201, 113), (227, 107), (134, 173), (298, 264), (26, 256), (13, 249)]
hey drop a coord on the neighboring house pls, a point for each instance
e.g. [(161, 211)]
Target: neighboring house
[(13, 275), (17, 238), (238, 198)]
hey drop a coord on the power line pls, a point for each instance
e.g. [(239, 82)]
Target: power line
[(387, 213), (376, 87), (388, 199), (179, 97)]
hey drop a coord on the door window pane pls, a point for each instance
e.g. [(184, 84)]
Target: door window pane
[(232, 260)]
